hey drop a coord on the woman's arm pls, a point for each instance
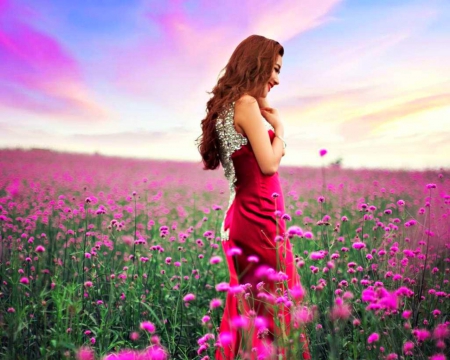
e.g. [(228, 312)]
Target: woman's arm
[(247, 116)]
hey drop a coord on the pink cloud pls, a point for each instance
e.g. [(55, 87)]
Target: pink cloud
[(37, 73), (283, 20), (194, 45)]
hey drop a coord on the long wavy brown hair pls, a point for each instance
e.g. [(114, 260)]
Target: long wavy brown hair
[(247, 72)]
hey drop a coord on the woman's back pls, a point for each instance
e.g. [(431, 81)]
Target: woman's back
[(246, 180)]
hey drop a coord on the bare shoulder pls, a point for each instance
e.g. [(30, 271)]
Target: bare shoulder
[(245, 107)]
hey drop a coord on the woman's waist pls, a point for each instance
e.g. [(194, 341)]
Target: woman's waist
[(259, 196)]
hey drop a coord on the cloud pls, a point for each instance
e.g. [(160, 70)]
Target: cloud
[(270, 18), (38, 74), (365, 125), (195, 43)]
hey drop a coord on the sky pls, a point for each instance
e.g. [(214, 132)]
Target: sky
[(367, 80)]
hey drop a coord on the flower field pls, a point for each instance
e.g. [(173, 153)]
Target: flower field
[(114, 258)]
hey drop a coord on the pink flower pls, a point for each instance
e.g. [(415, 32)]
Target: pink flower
[(297, 292), (134, 336), (358, 245), (189, 297), (261, 323), (390, 301), (374, 337), (323, 152), (85, 353), (148, 326), (340, 311), (368, 295), (294, 230), (215, 260), (408, 348), (308, 235), (406, 314), (40, 249), (223, 286), (234, 251), (438, 357), (317, 255), (253, 259), (215, 303), (225, 338), (155, 352), (286, 217), (239, 321), (392, 356), (303, 315), (88, 284), (441, 332), (421, 334), (24, 280), (436, 312)]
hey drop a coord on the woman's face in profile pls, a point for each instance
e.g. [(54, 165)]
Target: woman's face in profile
[(273, 77)]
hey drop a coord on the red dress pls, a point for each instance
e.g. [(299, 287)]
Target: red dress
[(253, 256)]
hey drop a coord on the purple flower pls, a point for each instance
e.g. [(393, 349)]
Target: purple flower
[(323, 152), (317, 255), (215, 260), (286, 217), (189, 297), (225, 338), (374, 337), (239, 321), (40, 249), (148, 326), (234, 251), (215, 303), (223, 286), (358, 245), (85, 353)]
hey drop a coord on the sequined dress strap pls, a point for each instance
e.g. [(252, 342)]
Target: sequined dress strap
[(229, 142)]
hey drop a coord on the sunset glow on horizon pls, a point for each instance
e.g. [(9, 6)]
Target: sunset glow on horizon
[(367, 80)]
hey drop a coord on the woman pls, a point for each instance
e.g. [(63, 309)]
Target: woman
[(257, 317)]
